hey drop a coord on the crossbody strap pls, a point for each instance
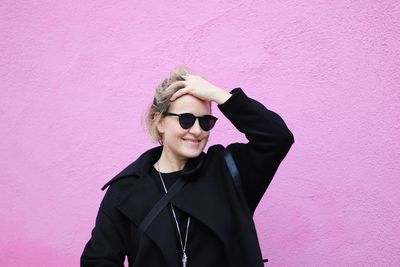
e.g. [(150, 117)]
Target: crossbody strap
[(152, 214)]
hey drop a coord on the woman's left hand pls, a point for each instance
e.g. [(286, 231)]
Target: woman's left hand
[(199, 87)]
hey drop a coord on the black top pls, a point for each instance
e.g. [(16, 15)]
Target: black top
[(201, 240)]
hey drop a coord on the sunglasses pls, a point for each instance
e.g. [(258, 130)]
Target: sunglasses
[(187, 120)]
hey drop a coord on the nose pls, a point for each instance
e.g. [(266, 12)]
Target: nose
[(195, 129)]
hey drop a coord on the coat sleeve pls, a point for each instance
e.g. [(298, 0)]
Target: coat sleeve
[(107, 245), (269, 140)]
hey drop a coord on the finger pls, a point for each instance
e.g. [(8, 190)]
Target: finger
[(180, 93), (176, 85)]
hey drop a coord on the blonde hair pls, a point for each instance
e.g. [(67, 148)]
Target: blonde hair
[(161, 102)]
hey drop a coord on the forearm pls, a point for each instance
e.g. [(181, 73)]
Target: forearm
[(253, 119)]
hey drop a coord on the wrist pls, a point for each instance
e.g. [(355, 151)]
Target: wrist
[(221, 96)]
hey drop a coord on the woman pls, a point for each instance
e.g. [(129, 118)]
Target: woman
[(206, 222)]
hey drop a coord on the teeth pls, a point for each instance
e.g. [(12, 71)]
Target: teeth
[(191, 140)]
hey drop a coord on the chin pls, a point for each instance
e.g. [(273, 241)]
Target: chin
[(192, 152)]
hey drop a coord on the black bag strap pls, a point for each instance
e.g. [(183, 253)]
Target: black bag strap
[(152, 214), (230, 162)]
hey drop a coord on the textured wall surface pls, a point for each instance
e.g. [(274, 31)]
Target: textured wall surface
[(77, 76)]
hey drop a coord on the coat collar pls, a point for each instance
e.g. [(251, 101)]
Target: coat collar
[(141, 166), (201, 198)]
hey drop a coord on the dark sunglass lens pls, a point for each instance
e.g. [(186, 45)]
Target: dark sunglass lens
[(186, 120), (207, 122), (212, 122)]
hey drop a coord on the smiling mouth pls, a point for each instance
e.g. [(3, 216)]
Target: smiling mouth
[(194, 141)]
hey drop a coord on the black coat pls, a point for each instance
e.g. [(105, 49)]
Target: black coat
[(209, 196)]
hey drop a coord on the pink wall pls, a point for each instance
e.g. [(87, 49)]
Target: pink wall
[(76, 77)]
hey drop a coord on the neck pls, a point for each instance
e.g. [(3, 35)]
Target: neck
[(170, 163)]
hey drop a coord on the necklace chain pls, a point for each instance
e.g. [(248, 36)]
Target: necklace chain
[(183, 245)]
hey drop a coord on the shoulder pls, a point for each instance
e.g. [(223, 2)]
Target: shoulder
[(129, 172), (215, 151), (117, 188), (220, 150), (121, 185), (135, 169), (218, 153)]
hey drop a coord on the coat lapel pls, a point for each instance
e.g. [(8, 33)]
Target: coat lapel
[(198, 199), (137, 203), (202, 198), (162, 232)]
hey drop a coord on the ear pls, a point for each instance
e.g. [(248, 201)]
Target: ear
[(160, 122)]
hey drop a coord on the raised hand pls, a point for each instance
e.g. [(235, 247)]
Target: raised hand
[(199, 87)]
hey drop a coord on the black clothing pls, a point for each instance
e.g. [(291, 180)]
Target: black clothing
[(209, 197), (212, 253)]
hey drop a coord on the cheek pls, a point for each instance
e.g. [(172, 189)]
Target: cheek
[(206, 135), (171, 128), (175, 132)]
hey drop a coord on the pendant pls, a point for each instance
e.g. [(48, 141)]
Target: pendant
[(184, 259)]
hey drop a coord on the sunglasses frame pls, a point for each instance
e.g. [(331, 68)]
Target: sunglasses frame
[(204, 118)]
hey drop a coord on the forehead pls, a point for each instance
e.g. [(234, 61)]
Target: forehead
[(190, 104)]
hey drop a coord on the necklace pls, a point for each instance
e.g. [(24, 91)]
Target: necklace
[(183, 245)]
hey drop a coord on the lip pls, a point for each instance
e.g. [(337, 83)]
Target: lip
[(193, 141)]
